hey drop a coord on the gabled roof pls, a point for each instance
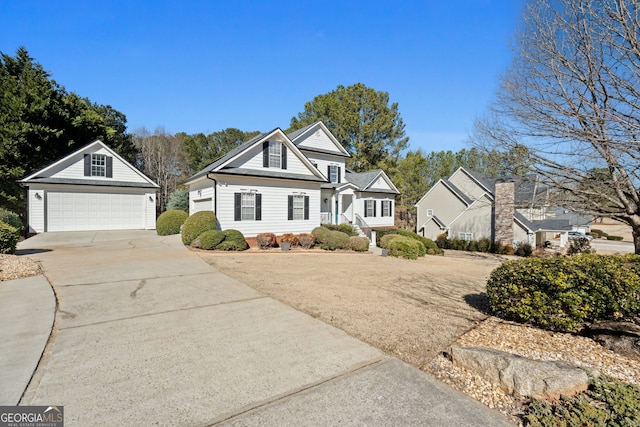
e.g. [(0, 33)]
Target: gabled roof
[(219, 165), (364, 180), (296, 138), (43, 175), (552, 225), (455, 190)]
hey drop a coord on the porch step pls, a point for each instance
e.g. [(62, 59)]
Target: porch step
[(358, 230)]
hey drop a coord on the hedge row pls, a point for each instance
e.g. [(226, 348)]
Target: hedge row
[(565, 293), (428, 245)]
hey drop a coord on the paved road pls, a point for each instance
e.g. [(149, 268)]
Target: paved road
[(146, 333), (613, 246)]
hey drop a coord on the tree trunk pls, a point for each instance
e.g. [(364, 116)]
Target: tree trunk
[(636, 238)]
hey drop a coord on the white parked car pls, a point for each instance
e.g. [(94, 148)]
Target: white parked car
[(579, 235)]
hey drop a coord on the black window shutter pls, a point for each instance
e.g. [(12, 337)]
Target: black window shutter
[(87, 165), (284, 157), (374, 207), (339, 174), (109, 167), (258, 207), (265, 154), (237, 206), (306, 207), (290, 208), (365, 208), (329, 172)]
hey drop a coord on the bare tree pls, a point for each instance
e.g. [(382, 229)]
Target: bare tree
[(572, 98), (161, 158)]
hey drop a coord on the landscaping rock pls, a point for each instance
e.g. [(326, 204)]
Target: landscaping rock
[(522, 377), (620, 337)]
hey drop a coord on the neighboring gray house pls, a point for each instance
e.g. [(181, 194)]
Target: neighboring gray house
[(471, 206), (291, 183)]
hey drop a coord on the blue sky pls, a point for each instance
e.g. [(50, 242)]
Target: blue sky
[(202, 66)]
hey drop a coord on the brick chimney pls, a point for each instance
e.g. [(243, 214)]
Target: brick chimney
[(504, 209)]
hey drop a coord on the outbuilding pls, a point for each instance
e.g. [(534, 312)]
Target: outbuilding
[(92, 188)]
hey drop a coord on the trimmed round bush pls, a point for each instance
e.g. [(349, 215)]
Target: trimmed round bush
[(169, 222), (11, 218), (211, 239), (347, 229), (384, 241), (405, 247), (306, 240), (335, 240), (321, 234), (197, 224), (266, 240), (233, 241), (8, 238), (358, 243), (564, 293)]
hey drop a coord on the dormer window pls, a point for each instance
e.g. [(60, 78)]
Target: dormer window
[(274, 155), (334, 173), (98, 165)]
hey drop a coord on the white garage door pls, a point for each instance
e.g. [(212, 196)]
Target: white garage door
[(202, 205), (70, 211)]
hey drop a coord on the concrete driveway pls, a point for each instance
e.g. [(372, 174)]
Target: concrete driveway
[(146, 333)]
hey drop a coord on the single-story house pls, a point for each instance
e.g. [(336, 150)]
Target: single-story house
[(471, 206), (92, 188), (291, 183)]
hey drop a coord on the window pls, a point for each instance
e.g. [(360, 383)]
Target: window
[(429, 212), (275, 154), (386, 208), (247, 206), (333, 173), (98, 165), (298, 207), (369, 208), (465, 236)]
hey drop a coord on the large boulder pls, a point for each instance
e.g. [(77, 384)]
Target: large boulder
[(522, 377), (620, 337)]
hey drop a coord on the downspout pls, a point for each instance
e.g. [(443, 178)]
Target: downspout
[(215, 194)]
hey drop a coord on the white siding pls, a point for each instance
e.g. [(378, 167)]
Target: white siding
[(150, 201), (274, 206), (380, 184), (252, 159), (324, 160), (36, 209), (378, 220), (198, 192), (317, 140), (74, 169)]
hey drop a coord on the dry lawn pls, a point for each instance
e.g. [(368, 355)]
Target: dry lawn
[(410, 309)]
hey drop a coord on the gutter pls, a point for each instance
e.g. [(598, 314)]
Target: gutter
[(215, 193)]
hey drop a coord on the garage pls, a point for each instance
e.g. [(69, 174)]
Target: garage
[(71, 211), (91, 189), (202, 205)]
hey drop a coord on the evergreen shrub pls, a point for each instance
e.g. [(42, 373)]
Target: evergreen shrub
[(197, 224), (169, 222)]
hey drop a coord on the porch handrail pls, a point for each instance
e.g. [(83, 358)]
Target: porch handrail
[(344, 219), (366, 228)]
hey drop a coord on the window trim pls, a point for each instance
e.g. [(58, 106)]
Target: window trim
[(465, 235), (370, 207), (99, 165), (386, 203), (275, 156), (241, 209), (429, 212)]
